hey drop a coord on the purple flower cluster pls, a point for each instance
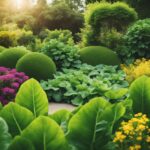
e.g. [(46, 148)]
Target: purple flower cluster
[(10, 81)]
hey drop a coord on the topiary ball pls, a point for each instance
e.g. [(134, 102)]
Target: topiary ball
[(95, 55), (9, 57), (37, 65)]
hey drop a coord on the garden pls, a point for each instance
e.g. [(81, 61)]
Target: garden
[(90, 55)]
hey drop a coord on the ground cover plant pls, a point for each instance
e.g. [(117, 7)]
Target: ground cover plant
[(77, 86)]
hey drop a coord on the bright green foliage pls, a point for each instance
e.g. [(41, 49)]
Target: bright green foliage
[(95, 55), (139, 93), (64, 55), (20, 143), (5, 137), (91, 127), (137, 41), (10, 57), (79, 86), (64, 36), (36, 65), (45, 134), (32, 97), (2, 49), (101, 17), (17, 118)]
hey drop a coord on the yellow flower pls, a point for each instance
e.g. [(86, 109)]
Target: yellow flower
[(148, 139), (139, 138), (137, 147)]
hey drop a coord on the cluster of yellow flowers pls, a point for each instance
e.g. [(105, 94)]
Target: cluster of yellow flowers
[(138, 68), (134, 134)]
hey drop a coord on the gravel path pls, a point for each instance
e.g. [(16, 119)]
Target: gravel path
[(53, 107)]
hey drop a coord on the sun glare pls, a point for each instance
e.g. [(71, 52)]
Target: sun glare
[(19, 3)]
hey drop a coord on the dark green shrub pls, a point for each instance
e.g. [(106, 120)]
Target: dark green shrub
[(2, 49), (37, 65), (95, 55), (101, 17), (9, 57), (64, 55), (137, 41)]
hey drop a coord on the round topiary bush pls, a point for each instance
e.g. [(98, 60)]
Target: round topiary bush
[(9, 57), (95, 55), (37, 65)]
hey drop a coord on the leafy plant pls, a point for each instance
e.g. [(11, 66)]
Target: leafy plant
[(32, 97), (13, 113), (139, 93), (95, 120), (78, 86), (5, 137), (64, 56), (137, 41)]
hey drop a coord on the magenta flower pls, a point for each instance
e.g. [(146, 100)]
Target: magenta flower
[(10, 81)]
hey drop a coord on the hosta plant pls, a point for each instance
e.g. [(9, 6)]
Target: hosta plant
[(77, 86), (10, 81)]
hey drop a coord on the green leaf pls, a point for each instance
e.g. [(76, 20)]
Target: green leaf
[(45, 134), (17, 117), (85, 130), (32, 96), (116, 94), (21, 144), (61, 117), (140, 94), (5, 137)]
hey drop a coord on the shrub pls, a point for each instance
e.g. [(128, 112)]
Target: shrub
[(10, 81), (64, 56), (135, 130), (64, 36), (95, 55), (2, 49), (6, 39), (79, 85), (9, 57), (137, 41), (100, 17), (138, 68), (37, 65)]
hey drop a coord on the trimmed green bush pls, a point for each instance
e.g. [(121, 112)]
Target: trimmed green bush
[(102, 17), (9, 57), (2, 49), (37, 65), (95, 55)]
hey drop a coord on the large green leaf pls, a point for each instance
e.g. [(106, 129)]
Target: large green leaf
[(32, 96), (5, 137), (45, 134), (17, 117), (21, 144), (140, 94), (62, 118), (90, 128), (83, 126)]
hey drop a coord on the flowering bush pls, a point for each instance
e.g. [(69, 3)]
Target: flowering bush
[(138, 68), (134, 134), (10, 81)]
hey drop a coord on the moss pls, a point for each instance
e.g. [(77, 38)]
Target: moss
[(95, 55), (9, 57), (37, 65), (2, 49)]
